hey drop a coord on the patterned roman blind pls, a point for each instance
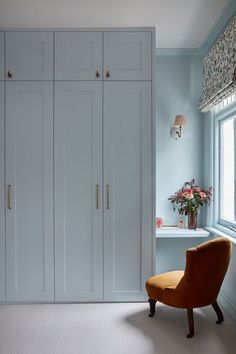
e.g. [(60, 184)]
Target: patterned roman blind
[(219, 69)]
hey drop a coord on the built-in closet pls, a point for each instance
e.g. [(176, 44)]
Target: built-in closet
[(76, 168)]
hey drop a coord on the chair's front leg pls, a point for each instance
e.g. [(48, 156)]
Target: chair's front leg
[(190, 323), (152, 304)]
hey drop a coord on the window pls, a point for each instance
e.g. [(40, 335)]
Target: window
[(227, 183), (225, 114)]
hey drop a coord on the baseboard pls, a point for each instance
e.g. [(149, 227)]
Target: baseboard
[(227, 304)]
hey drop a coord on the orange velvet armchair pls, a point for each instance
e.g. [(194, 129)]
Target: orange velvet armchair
[(198, 285)]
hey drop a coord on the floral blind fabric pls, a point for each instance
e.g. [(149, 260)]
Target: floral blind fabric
[(219, 69)]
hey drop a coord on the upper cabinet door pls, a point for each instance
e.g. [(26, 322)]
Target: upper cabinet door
[(29, 56), (1, 56), (127, 55), (78, 55)]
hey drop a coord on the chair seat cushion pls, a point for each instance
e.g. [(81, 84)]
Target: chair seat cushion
[(157, 285)]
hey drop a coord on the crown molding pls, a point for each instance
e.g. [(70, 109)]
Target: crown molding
[(168, 52)]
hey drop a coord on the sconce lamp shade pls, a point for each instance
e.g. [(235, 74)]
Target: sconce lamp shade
[(179, 120), (176, 129)]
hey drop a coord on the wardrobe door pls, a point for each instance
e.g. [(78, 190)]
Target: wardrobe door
[(78, 55), (1, 55), (29, 56), (29, 191), (78, 183), (127, 55), (127, 190), (2, 197)]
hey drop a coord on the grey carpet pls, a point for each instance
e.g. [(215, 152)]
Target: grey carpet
[(120, 328)]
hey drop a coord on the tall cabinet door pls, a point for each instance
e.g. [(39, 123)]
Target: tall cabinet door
[(78, 182), (29, 191), (127, 190), (1, 55), (2, 197)]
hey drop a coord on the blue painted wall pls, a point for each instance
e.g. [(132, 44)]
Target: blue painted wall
[(177, 161)]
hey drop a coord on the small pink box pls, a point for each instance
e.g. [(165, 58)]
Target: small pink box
[(159, 222)]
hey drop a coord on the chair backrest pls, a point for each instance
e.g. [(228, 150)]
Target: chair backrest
[(205, 269)]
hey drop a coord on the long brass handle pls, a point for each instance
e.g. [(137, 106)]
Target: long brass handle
[(9, 197), (108, 196), (97, 196)]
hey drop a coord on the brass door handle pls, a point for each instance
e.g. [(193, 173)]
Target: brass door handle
[(97, 74), (108, 196), (9, 197), (108, 74), (97, 196), (9, 75)]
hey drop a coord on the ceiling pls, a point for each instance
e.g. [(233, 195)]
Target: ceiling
[(179, 23)]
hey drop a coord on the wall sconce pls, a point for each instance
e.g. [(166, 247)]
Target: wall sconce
[(176, 129)]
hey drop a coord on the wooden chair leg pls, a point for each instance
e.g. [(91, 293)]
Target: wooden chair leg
[(190, 323), (218, 312), (152, 304)]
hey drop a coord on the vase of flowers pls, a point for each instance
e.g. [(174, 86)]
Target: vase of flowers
[(188, 201)]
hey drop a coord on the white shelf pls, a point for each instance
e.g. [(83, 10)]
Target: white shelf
[(171, 232)]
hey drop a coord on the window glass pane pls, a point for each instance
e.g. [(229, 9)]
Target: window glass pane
[(227, 167)]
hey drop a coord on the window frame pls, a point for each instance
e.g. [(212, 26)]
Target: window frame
[(219, 117)]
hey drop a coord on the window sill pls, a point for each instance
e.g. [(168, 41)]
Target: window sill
[(221, 231), (171, 232)]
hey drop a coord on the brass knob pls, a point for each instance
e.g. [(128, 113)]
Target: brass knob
[(108, 74), (97, 74), (9, 75)]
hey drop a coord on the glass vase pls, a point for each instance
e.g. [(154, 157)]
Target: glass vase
[(192, 221)]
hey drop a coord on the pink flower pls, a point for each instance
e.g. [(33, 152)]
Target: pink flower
[(196, 189), (202, 195), (189, 191), (187, 195)]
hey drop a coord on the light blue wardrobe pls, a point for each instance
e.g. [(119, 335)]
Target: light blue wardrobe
[(78, 195)]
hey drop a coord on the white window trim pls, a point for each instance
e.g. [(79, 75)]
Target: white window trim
[(226, 113), (219, 232)]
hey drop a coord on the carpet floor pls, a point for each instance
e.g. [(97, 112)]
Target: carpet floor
[(118, 328)]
